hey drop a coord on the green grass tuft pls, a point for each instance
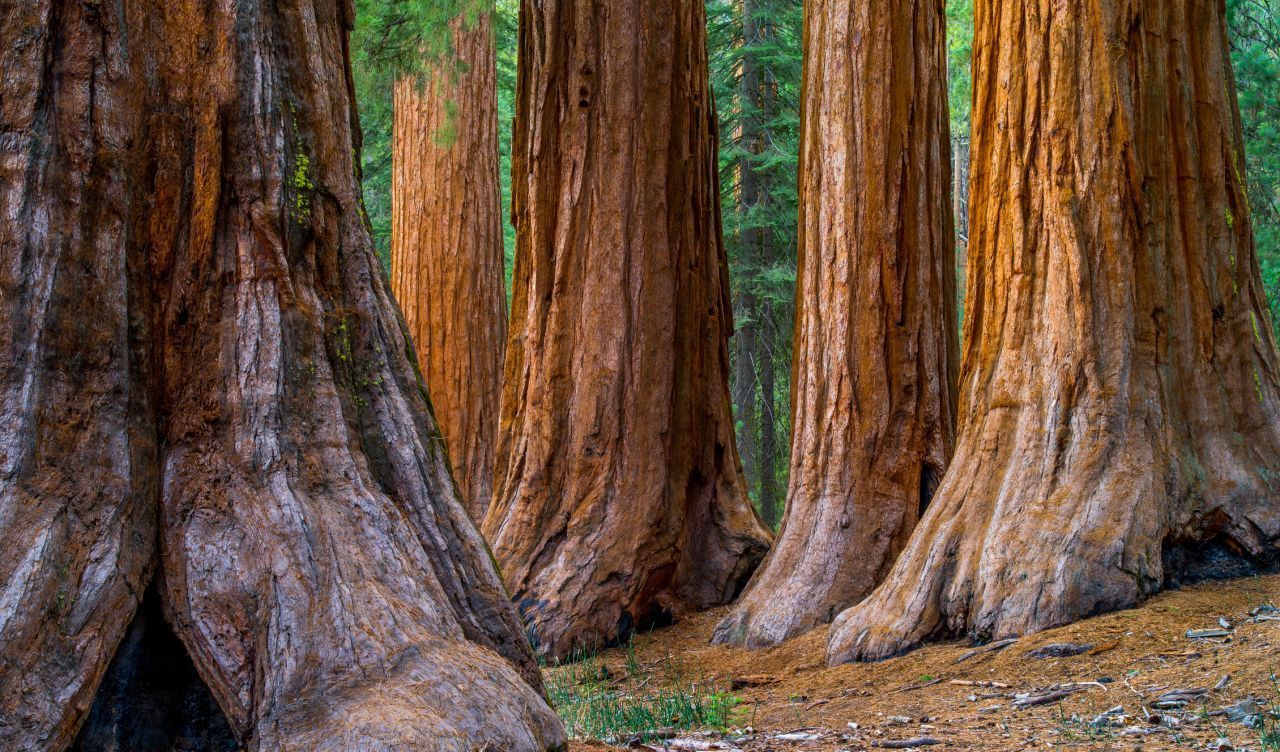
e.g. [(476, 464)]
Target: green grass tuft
[(596, 705), (1269, 731)]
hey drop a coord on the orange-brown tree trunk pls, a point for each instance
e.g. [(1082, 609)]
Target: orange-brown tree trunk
[(446, 247), (621, 498), (1120, 400), (204, 377), (876, 351)]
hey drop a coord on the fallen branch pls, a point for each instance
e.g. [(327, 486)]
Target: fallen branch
[(1028, 701), (914, 687), (990, 648), (920, 741)]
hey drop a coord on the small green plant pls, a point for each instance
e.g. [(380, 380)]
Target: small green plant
[(1269, 728), (595, 705), (632, 658)]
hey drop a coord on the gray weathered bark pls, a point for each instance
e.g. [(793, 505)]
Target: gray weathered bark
[(194, 329)]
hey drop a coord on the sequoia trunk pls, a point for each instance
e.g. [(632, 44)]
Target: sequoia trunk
[(446, 248), (876, 354), (621, 498), (1120, 404), (195, 330)]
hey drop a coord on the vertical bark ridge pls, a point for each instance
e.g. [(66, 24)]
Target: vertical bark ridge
[(446, 248), (78, 476)]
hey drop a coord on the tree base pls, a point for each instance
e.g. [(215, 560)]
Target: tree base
[(1106, 542)]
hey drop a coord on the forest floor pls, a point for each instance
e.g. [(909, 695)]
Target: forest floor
[(1170, 689)]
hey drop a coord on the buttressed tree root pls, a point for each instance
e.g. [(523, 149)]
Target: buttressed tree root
[(205, 383), (876, 353), (620, 495), (1120, 406)]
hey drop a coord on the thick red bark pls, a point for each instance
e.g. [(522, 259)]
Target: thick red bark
[(446, 248), (620, 495), (876, 352), (196, 331), (1121, 395)]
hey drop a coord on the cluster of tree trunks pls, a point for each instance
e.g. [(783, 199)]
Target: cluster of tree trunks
[(1120, 398), (204, 380), (876, 352), (208, 394), (446, 246), (620, 498)]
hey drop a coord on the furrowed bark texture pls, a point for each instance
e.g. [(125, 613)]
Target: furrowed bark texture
[(196, 331), (876, 353), (1119, 400), (78, 452), (621, 497), (446, 248)]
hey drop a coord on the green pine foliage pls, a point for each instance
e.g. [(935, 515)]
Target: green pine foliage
[(505, 26), (392, 39), (1255, 55), (765, 140), (959, 64)]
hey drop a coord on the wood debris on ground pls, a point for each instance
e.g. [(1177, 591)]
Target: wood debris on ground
[(1139, 685)]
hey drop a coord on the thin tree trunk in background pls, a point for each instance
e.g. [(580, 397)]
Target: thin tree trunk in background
[(756, 337), (1121, 392), (446, 248), (746, 339), (876, 349), (767, 337), (960, 210), (746, 416), (621, 499), (769, 449), (960, 188), (196, 331)]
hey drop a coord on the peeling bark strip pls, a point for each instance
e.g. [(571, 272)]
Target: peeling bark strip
[(193, 328), (621, 497), (446, 249), (1121, 397), (876, 352)]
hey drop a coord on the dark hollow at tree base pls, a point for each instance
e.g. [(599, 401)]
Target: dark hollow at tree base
[(152, 699)]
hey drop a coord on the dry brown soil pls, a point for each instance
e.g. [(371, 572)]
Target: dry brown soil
[(1138, 655)]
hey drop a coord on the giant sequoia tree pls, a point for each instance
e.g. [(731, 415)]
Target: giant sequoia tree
[(1120, 396), (446, 246), (620, 497), (876, 351), (203, 377)]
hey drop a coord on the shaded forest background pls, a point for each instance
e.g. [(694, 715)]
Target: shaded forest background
[(755, 55)]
